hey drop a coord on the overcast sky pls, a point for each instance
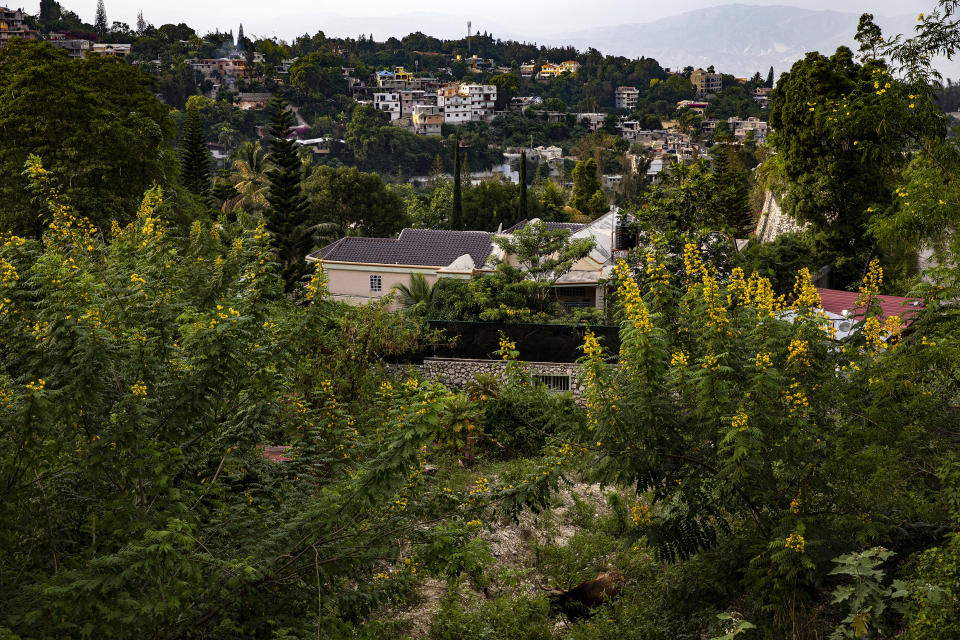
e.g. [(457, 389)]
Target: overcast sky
[(532, 20)]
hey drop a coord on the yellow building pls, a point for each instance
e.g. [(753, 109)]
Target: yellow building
[(570, 66), (400, 73), (550, 70)]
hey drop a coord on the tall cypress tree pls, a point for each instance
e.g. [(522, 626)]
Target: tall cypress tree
[(730, 190), (456, 219), (523, 185), (286, 216), (770, 78), (100, 22), (194, 156)]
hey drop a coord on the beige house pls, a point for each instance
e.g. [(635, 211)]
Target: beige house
[(363, 269)]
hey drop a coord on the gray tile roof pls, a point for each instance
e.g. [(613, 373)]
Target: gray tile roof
[(572, 226), (423, 247)]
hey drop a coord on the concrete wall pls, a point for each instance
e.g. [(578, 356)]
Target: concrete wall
[(352, 284)]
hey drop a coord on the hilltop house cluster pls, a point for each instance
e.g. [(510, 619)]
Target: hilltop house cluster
[(13, 24), (423, 104)]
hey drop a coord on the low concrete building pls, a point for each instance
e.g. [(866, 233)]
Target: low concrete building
[(112, 50), (427, 119), (75, 48), (388, 103)]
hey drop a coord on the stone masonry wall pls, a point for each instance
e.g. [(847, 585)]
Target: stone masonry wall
[(774, 222), (459, 373)]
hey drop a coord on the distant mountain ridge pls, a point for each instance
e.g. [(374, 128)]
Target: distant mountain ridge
[(738, 39)]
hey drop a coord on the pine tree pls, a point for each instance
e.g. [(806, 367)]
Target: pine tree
[(770, 78), (456, 218), (194, 156), (286, 216), (240, 36), (100, 22), (523, 185), (730, 188)]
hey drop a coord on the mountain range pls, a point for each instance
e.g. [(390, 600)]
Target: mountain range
[(738, 39)]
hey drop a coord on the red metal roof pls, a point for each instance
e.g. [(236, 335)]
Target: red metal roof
[(837, 301)]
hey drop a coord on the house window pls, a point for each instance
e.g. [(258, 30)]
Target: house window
[(571, 292), (554, 383), (376, 283)]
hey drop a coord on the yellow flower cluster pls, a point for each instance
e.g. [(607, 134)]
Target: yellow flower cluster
[(710, 362), (39, 329), (480, 485), (740, 421), (507, 347), (693, 264), (8, 273), (870, 286), (796, 397), (763, 360), (716, 309), (135, 278), (756, 291), (737, 291), (679, 359), (657, 275), (640, 513), (139, 389), (475, 523), (880, 336), (10, 240), (799, 352), (633, 304), (795, 505), (593, 353), (317, 288), (805, 295), (796, 542), (36, 385)]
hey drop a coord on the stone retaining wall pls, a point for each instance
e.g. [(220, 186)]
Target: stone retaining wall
[(774, 222), (455, 372)]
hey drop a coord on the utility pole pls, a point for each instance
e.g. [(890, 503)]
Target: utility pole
[(469, 51)]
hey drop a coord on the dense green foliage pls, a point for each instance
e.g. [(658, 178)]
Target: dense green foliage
[(353, 202), (95, 122)]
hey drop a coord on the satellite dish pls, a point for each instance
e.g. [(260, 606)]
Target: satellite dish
[(845, 326)]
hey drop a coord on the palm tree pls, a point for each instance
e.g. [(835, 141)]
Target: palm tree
[(250, 172), (418, 294)]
